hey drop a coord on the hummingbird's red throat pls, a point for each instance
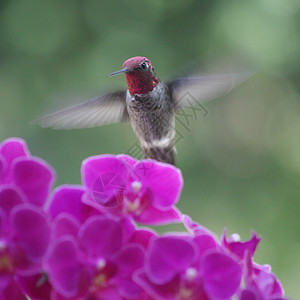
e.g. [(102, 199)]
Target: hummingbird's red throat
[(140, 76)]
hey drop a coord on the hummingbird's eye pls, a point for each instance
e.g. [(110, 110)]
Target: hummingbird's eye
[(144, 65)]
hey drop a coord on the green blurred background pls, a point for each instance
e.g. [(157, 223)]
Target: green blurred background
[(241, 163)]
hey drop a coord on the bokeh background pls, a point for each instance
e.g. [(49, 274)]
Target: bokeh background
[(241, 162)]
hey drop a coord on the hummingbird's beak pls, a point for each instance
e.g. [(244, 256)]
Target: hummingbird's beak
[(118, 72)]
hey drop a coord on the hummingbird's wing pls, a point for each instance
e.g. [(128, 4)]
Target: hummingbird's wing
[(195, 90), (104, 109)]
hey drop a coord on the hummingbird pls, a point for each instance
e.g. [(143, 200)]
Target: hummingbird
[(149, 104)]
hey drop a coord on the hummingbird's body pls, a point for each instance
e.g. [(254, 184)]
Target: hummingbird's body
[(149, 104), (152, 118)]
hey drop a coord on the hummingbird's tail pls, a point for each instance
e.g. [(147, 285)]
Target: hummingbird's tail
[(163, 154)]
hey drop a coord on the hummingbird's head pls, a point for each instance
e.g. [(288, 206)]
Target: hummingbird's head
[(139, 73)]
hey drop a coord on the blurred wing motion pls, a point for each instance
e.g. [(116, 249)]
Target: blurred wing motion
[(104, 109), (192, 90)]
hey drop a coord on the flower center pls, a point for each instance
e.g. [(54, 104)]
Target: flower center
[(185, 293), (5, 263), (99, 281), (133, 202), (5, 259), (188, 284), (191, 274), (101, 264), (105, 271), (136, 186), (137, 199), (132, 206), (2, 245), (100, 278)]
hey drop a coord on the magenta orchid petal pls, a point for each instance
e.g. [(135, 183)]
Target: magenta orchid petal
[(2, 167), (238, 248), (6, 279), (105, 178), (194, 228), (128, 160), (143, 237), (129, 227), (129, 289), (260, 280), (248, 294), (205, 243), (12, 291), (154, 216), (66, 273), (106, 293), (3, 219), (164, 180), (96, 234), (30, 232), (65, 224), (56, 296), (13, 148), (248, 268), (6, 270), (35, 177), (10, 196), (130, 259), (10, 150), (168, 256), (114, 211), (158, 291), (68, 199), (221, 275), (266, 282), (94, 167)]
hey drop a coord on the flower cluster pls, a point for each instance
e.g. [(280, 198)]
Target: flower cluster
[(87, 242)]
